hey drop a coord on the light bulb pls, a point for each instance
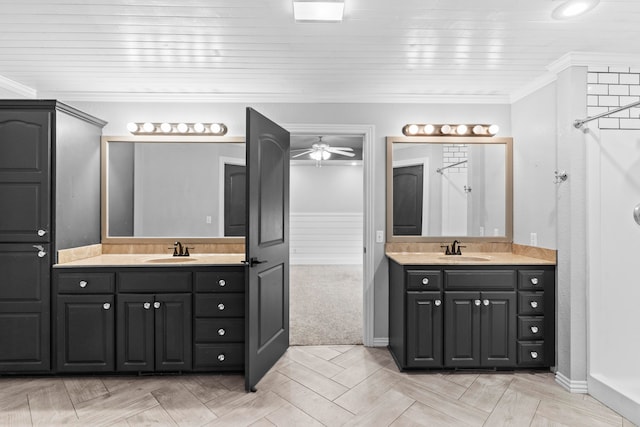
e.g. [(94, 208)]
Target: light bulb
[(461, 129), (148, 127), (183, 128), (216, 128), (316, 155), (165, 127), (493, 129), (445, 129), (572, 8), (325, 155), (198, 127), (478, 130), (428, 129), (132, 127), (412, 129)]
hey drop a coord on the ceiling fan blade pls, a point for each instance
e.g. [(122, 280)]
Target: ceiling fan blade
[(342, 153), (341, 148), (302, 154)]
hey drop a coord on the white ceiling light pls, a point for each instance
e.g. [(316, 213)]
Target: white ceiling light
[(572, 8), (318, 11)]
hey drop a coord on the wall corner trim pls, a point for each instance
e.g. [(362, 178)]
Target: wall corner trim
[(17, 88), (572, 386), (380, 341)]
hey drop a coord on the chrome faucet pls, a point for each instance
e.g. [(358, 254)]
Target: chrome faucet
[(179, 250)]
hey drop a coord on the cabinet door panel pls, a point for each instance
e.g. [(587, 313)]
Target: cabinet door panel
[(85, 333), (173, 332), (462, 334), (135, 325), (24, 176), (424, 329), (498, 329)]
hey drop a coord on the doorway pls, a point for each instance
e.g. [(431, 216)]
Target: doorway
[(330, 226)]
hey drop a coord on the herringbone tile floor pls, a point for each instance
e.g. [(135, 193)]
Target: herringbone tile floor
[(309, 386)]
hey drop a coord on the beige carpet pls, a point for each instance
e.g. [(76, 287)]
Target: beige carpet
[(325, 304)]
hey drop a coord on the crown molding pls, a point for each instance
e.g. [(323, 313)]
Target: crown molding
[(17, 88), (593, 59), (533, 86)]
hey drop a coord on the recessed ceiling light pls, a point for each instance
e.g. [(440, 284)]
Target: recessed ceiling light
[(318, 11), (573, 8)]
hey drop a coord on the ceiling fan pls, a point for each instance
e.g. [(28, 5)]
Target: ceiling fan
[(320, 151)]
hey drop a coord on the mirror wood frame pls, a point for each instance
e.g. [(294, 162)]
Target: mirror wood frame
[(506, 141), (104, 208)]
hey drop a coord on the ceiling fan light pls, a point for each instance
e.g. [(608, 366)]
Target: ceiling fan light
[(316, 155), (325, 155), (318, 11), (573, 8)]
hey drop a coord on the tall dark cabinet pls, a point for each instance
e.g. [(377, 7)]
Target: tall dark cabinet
[(49, 200)]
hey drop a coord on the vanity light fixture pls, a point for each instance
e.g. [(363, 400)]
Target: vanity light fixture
[(572, 8), (318, 11), (415, 129), (151, 128)]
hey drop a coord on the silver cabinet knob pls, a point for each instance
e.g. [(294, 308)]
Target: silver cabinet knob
[(146, 305), (534, 329), (41, 251), (221, 357), (534, 354), (534, 281), (438, 303), (83, 283), (156, 304), (106, 306), (42, 232), (221, 306), (477, 302), (221, 332), (485, 302), (222, 283), (425, 281), (534, 304)]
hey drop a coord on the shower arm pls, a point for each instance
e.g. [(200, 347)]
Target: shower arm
[(439, 170), (578, 123)]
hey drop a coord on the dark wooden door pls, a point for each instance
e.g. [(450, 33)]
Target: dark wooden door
[(235, 200), (462, 334), (424, 329), (85, 333), (267, 246), (135, 348), (407, 200), (173, 332), (25, 176), (498, 329), (24, 307)]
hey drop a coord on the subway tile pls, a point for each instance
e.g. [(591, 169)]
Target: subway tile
[(608, 101), (626, 100), (634, 90), (629, 79), (634, 112), (621, 114), (622, 90), (592, 100), (594, 111), (609, 123), (598, 89), (634, 70), (597, 69), (629, 123), (592, 77), (610, 78), (618, 69)]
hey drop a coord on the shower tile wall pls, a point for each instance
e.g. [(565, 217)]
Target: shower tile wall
[(611, 87)]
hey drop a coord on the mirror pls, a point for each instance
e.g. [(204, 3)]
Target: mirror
[(444, 188), (173, 187)]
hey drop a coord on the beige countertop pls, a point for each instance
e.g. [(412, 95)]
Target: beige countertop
[(151, 260), (467, 258)]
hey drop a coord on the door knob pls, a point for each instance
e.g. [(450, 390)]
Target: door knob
[(156, 304), (221, 357), (42, 232), (437, 303), (221, 332), (83, 283), (41, 251), (221, 306), (534, 304), (534, 329), (146, 305), (425, 281), (222, 282), (106, 306), (477, 302), (485, 302), (534, 281), (534, 354)]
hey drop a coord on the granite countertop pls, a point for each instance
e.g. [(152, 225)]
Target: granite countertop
[(467, 258), (151, 260)]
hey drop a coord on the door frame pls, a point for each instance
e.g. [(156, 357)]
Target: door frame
[(367, 132)]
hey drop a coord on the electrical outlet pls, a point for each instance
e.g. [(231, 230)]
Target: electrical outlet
[(533, 239), (380, 236)]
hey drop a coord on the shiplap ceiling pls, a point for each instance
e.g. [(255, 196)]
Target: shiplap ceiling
[(253, 51)]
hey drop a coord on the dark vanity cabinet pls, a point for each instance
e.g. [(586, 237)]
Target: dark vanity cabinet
[(470, 316), (149, 319), (50, 199)]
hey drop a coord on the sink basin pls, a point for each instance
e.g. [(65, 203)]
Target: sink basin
[(170, 260), (464, 258)]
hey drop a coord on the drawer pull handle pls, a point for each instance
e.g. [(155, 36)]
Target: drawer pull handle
[(221, 306), (477, 302), (425, 281), (156, 304), (534, 304), (146, 305), (534, 354), (106, 306), (221, 357), (438, 303), (221, 332), (83, 283), (534, 329), (222, 283), (486, 302), (534, 281)]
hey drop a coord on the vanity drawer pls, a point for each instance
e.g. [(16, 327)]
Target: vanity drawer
[(423, 280), (531, 279), (531, 353), (217, 356), (530, 303), (530, 328), (154, 281), (220, 281), (86, 283), (219, 305), (474, 279), (219, 330)]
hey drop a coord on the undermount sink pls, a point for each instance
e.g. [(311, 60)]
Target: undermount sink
[(464, 258), (170, 259)]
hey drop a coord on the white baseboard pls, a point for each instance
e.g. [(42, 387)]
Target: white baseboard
[(603, 390), (572, 386), (380, 341)]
